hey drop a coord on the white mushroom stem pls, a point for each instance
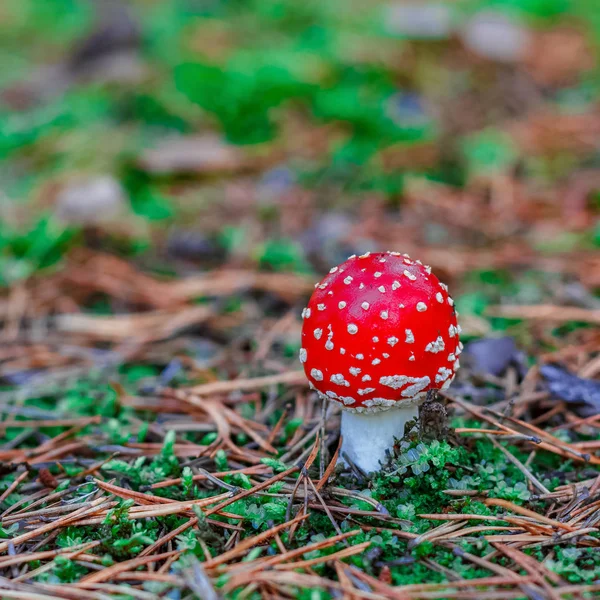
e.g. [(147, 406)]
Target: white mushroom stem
[(367, 436)]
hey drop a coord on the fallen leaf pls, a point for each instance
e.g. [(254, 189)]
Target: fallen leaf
[(205, 154), (571, 388)]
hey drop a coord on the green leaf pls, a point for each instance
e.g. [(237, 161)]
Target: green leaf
[(168, 445), (489, 151), (221, 461), (275, 464), (283, 255)]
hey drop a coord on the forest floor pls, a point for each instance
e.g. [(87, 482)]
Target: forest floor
[(174, 179)]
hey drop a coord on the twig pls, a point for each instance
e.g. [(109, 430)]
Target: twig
[(515, 461)]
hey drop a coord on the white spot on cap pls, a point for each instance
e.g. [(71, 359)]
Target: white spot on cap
[(409, 275), (375, 361), (410, 336), (333, 270), (381, 289), (352, 328), (377, 274), (354, 371), (392, 341), (398, 381), (303, 355), (306, 313), (456, 364), (329, 344), (360, 357), (351, 257), (451, 357), (384, 314), (428, 269), (412, 358), (382, 260), (366, 378), (375, 339), (395, 285), (451, 331), (339, 379), (361, 286), (342, 304), (365, 391), (322, 286), (365, 306), (318, 333), (368, 405), (385, 355), (394, 381), (442, 374), (342, 350), (444, 286), (348, 280), (329, 336), (316, 374), (439, 297), (421, 307), (365, 255), (320, 307), (436, 346), (420, 384), (401, 305), (450, 301)]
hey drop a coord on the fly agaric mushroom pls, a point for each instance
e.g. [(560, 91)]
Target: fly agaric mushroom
[(379, 332)]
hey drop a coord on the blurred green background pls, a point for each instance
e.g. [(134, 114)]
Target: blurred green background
[(285, 135)]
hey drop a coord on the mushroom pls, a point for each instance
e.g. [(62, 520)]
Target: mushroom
[(379, 332)]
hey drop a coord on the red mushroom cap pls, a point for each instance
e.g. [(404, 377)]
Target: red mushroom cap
[(379, 329)]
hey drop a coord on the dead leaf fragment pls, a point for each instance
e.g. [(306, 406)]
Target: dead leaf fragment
[(204, 154)]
